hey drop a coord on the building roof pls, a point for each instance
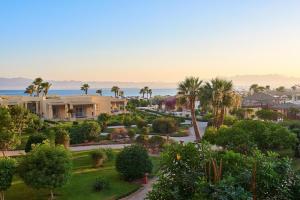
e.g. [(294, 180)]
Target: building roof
[(260, 96), (286, 106)]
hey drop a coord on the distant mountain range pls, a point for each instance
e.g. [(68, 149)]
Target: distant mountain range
[(240, 81)]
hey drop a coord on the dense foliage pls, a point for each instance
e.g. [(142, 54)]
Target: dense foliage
[(266, 114), (46, 167), (246, 135), (196, 172), (133, 162)]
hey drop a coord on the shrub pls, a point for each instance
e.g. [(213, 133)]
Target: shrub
[(103, 120), (109, 154), (46, 167), (86, 131), (140, 123), (133, 162), (164, 125), (118, 133), (98, 156), (34, 139), (142, 140), (131, 133), (62, 137), (7, 170), (229, 120), (127, 121), (144, 131), (156, 142), (210, 134), (266, 114), (101, 184)]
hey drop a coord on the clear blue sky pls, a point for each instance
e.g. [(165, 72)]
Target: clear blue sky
[(148, 40)]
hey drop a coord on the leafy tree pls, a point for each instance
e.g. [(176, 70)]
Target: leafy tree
[(190, 89), (46, 167), (86, 131), (133, 162), (20, 117), (7, 170), (85, 87), (62, 136)]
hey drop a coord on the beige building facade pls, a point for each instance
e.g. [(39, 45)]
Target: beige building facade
[(67, 108)]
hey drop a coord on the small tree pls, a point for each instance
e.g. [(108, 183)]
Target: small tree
[(164, 125), (98, 156), (103, 120), (7, 169), (46, 167), (133, 162)]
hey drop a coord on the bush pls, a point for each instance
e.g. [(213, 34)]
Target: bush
[(144, 131), (131, 133), (140, 123), (229, 120), (98, 156), (86, 131), (109, 154), (34, 139), (101, 184), (62, 137), (7, 170), (133, 162), (142, 140), (164, 125), (46, 167), (103, 120), (156, 142), (210, 134), (127, 121)]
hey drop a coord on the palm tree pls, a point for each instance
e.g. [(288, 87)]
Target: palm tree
[(146, 88), (190, 89), (116, 90), (85, 87), (45, 87), (143, 92), (30, 90), (150, 93), (38, 85), (219, 95), (280, 89), (121, 93), (99, 92)]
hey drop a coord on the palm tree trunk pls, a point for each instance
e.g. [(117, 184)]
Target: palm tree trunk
[(222, 115), (194, 122)]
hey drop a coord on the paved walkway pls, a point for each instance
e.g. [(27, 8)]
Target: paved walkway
[(186, 139), (142, 192)]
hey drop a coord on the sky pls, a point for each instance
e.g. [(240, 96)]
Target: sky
[(148, 40)]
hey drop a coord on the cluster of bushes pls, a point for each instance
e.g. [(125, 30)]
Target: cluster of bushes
[(246, 135), (196, 172)]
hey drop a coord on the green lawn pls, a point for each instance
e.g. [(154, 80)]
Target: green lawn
[(80, 185)]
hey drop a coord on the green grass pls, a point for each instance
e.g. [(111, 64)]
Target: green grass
[(80, 185)]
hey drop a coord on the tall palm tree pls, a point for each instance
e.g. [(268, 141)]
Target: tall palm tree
[(116, 90), (45, 87), (219, 95), (143, 92), (38, 85), (121, 93), (99, 91), (190, 89), (146, 88), (30, 90), (85, 87), (150, 93)]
